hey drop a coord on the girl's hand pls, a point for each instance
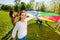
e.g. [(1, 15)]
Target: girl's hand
[(16, 14), (27, 16)]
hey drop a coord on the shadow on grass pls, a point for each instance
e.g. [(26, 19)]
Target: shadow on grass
[(42, 33)]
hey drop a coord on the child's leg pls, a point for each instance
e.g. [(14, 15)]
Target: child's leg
[(40, 23), (36, 21), (12, 20), (14, 24)]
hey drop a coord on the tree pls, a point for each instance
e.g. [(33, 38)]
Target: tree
[(0, 6), (32, 4), (41, 6), (22, 6), (6, 7), (55, 6), (17, 3), (28, 7)]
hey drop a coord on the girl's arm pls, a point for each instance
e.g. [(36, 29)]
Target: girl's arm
[(14, 16), (31, 17), (14, 31)]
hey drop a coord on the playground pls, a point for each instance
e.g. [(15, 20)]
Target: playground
[(45, 32)]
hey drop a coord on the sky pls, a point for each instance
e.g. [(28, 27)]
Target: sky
[(11, 2)]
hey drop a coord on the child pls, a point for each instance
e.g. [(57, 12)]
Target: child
[(21, 27), (38, 20), (58, 25), (12, 16)]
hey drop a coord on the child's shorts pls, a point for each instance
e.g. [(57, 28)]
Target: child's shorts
[(24, 38)]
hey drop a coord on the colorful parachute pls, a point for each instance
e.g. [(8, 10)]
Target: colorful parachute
[(43, 16), (53, 18)]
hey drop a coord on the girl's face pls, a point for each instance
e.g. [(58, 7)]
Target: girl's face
[(23, 16)]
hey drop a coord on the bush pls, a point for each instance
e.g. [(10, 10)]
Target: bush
[(16, 8), (6, 7)]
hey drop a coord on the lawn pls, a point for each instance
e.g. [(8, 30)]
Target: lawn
[(42, 33), (34, 32), (5, 23)]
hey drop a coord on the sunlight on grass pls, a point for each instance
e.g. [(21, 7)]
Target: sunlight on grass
[(34, 32)]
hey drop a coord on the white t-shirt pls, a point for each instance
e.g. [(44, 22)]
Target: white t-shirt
[(21, 27)]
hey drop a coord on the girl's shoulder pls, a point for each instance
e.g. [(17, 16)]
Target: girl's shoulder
[(18, 22)]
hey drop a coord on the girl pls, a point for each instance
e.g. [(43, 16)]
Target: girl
[(12, 16), (21, 27), (19, 14)]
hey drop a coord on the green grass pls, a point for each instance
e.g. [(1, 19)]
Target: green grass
[(42, 33), (5, 23), (34, 32)]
